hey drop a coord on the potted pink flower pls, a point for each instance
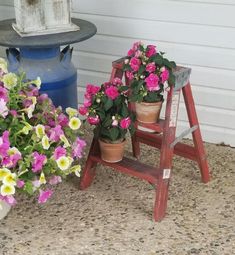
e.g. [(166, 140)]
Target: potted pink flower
[(39, 143), (148, 73), (105, 108)]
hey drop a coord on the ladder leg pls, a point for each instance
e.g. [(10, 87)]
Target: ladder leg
[(197, 137), (88, 172), (166, 154)]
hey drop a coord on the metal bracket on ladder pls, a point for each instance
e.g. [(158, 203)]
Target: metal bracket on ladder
[(183, 134)]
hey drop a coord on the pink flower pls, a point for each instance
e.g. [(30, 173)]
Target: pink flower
[(63, 120), (38, 161), (59, 152), (13, 113), (83, 110), (3, 108), (87, 103), (8, 199), (78, 147), (138, 54), (152, 82), (55, 180), (3, 94), (129, 75), (4, 144), (55, 133), (117, 81), (125, 123), (11, 160), (136, 45), (135, 64), (92, 89), (115, 123), (93, 120), (112, 92), (42, 98), (20, 184), (130, 53), (164, 75), (151, 67), (44, 196), (151, 50)]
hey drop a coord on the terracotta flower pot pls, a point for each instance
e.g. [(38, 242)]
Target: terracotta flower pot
[(112, 152), (4, 209), (148, 112)]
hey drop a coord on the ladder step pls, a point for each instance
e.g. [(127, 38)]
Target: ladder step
[(155, 140), (157, 127), (133, 168)]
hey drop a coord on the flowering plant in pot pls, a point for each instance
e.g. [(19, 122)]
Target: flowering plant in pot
[(148, 72), (105, 107), (39, 143)]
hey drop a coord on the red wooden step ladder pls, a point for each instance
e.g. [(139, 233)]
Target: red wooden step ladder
[(163, 138)]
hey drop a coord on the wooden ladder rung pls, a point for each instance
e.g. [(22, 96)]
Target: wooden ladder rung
[(157, 127), (133, 168), (155, 140)]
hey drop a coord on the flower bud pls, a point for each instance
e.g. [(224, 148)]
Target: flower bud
[(126, 61), (98, 100)]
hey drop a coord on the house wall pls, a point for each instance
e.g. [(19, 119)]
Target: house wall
[(195, 33)]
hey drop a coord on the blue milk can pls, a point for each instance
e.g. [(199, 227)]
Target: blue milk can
[(54, 67)]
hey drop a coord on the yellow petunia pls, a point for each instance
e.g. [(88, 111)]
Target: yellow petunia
[(7, 190), (45, 142), (71, 112), (10, 179), (63, 163), (75, 123), (9, 80), (40, 130), (3, 173), (65, 141), (42, 178), (3, 65)]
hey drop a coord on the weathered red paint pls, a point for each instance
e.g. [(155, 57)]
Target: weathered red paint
[(158, 176)]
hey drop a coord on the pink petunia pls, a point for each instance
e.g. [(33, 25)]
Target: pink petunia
[(3, 108), (130, 53), (125, 123), (151, 67), (20, 184), (152, 82), (87, 103), (8, 199), (4, 94), (38, 161), (151, 50), (4, 144), (63, 120), (42, 98), (78, 147), (112, 92), (83, 110), (44, 196), (164, 75), (55, 133), (54, 180), (135, 64), (59, 152), (13, 113), (93, 120)]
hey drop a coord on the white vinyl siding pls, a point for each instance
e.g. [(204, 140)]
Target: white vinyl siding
[(195, 33)]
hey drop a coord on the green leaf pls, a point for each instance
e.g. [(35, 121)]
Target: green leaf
[(28, 187), (171, 79), (108, 104), (124, 110), (114, 133), (107, 122)]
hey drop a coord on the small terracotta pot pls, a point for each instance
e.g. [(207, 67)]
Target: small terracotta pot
[(148, 112), (112, 152)]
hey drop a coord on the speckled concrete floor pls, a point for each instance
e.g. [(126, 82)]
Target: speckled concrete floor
[(114, 216)]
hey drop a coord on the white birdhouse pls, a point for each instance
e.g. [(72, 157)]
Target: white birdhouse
[(38, 17)]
